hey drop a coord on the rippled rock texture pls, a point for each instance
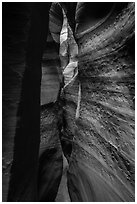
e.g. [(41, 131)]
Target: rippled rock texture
[(74, 134), (102, 159)]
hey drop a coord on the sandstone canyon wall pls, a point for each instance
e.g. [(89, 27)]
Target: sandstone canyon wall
[(74, 123)]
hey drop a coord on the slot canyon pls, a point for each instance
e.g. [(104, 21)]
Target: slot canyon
[(68, 102)]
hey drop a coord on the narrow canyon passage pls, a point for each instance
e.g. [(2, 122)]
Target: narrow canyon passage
[(97, 129), (75, 133)]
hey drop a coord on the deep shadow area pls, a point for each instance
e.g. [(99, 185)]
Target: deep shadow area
[(50, 173), (23, 181)]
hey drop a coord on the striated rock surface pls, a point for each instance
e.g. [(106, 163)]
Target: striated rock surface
[(51, 160), (51, 72), (102, 161), (83, 146), (51, 77)]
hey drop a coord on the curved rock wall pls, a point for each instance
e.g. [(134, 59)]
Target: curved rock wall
[(86, 150), (102, 161)]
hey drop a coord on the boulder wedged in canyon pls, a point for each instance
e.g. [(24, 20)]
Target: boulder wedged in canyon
[(83, 149)]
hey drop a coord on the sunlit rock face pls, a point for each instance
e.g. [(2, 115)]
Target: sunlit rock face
[(51, 72), (69, 94), (58, 142), (101, 165), (51, 163), (50, 83), (68, 52)]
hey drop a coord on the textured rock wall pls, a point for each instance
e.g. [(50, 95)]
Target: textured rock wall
[(51, 72), (86, 150), (102, 161)]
